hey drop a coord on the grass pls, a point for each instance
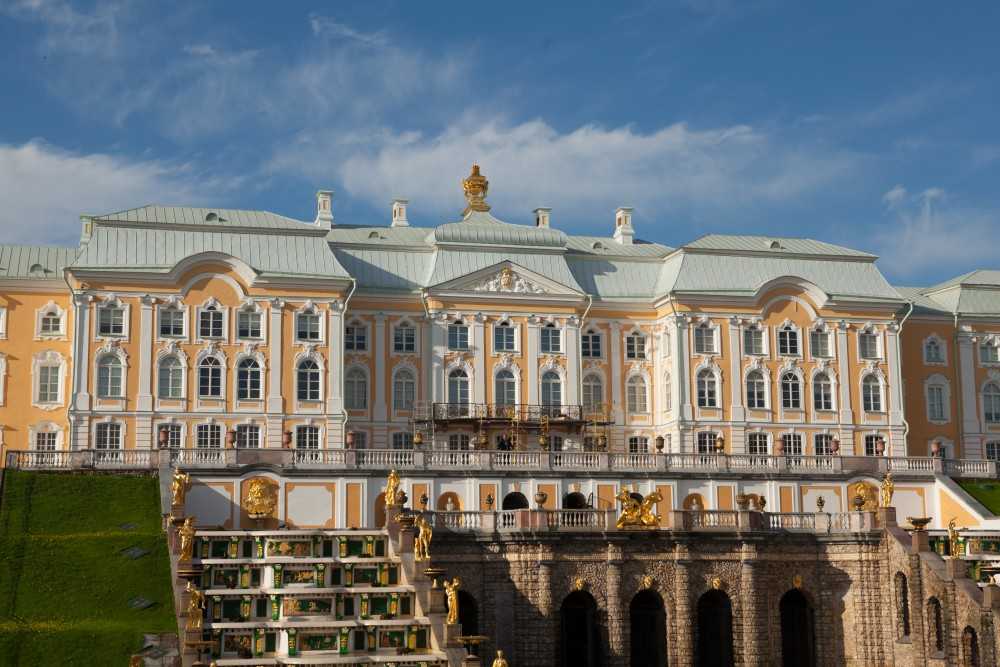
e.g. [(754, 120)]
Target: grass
[(64, 583), (988, 493)]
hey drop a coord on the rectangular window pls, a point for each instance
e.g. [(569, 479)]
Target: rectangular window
[(791, 398), (792, 443), (210, 323), (360, 440), (402, 440), (171, 322), (757, 444), (248, 326), (404, 339), (822, 393), (935, 402), (173, 435), (551, 339), (868, 345), (307, 326), (503, 338), (993, 451), (45, 442), (704, 340), (819, 342), (111, 321), (51, 324), (458, 441), (248, 436), (706, 442), (989, 353), (48, 384), (108, 436), (356, 338), (590, 345), (307, 437), (871, 445), (458, 337), (823, 443), (638, 445), (753, 340), (209, 436), (788, 341), (635, 347)]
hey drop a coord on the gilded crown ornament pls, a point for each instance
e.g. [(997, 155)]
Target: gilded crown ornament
[(475, 187)]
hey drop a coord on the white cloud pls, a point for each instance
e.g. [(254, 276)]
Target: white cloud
[(68, 31), (45, 189), (582, 173), (926, 234), (894, 197), (326, 26)]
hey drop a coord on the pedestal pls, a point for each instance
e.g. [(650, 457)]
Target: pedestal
[(887, 517), (956, 568), (920, 541), (451, 634), (438, 604), (471, 661)]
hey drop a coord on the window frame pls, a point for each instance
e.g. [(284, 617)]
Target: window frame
[(314, 334), (242, 430), (551, 389), (708, 333), (709, 392), (820, 379), (308, 435), (942, 351), (404, 337), (868, 399), (785, 334), (763, 394), (751, 330), (501, 331), (354, 378), (635, 345), (309, 379), (44, 315), (217, 313), (550, 339), (790, 385), (403, 388), (636, 402), (212, 432), (356, 336), (587, 385), (817, 333), (105, 392), (107, 309), (243, 392), (181, 366), (587, 343), (172, 309), (458, 336), (250, 310), (498, 399), (205, 363), (869, 336)]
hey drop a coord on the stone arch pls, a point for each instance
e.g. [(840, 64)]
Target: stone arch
[(442, 501), (648, 630), (579, 644), (515, 500), (970, 647), (468, 613), (714, 630), (574, 500), (798, 630), (690, 501), (902, 606), (379, 510)]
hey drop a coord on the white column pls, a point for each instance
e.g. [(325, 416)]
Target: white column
[(845, 380), (531, 358), (680, 369), (971, 446), (617, 413), (655, 348), (439, 344), (274, 339), (379, 411), (81, 350), (897, 445), (335, 417), (738, 412), (572, 396), (479, 358)]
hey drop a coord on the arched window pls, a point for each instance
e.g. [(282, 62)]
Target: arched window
[(210, 378), (515, 500), (248, 380), (505, 388), (458, 390), (404, 390), (935, 626), (356, 389), (109, 377), (308, 380), (635, 395), (871, 394), (933, 354), (170, 378), (593, 393), (788, 341), (798, 631), (822, 392), (991, 403), (902, 606), (580, 641), (708, 395), (756, 390), (715, 630), (668, 393), (970, 648), (791, 392), (551, 389), (648, 620)]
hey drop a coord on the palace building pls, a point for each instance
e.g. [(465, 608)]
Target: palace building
[(520, 379)]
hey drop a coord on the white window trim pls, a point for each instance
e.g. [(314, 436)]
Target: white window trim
[(985, 425), (646, 347), (210, 421), (646, 384), (46, 427), (768, 439), (405, 366), (717, 373), (716, 338), (594, 331), (869, 328), (665, 339), (170, 422), (177, 305), (3, 380), (223, 381), (3, 322), (877, 374), (765, 343), (458, 322), (309, 308), (987, 339), (211, 303), (115, 351), (831, 344), (552, 325), (470, 376), (803, 441), (368, 387), (250, 306), (828, 372), (310, 353), (111, 301), (109, 420), (941, 346), (50, 308), (791, 326), (257, 356), (515, 327), (358, 324), (937, 380), (172, 351), (542, 371), (309, 423), (804, 397), (253, 423), (599, 374), (407, 323)]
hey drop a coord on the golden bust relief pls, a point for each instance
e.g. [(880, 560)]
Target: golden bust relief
[(261, 500)]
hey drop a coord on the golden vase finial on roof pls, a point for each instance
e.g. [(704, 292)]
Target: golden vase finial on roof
[(475, 187)]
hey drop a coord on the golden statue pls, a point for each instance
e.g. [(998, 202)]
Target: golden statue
[(451, 588), (392, 488), (186, 533), (422, 543), (638, 513), (866, 491), (179, 485), (953, 537), (500, 661), (506, 278), (262, 498), (886, 491), (196, 602), (475, 187)]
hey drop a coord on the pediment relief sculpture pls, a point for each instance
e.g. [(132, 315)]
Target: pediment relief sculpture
[(509, 281)]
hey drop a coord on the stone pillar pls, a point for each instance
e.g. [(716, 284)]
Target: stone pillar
[(335, 416), (81, 350), (754, 609), (897, 444), (144, 398), (682, 619), (680, 375), (618, 651), (478, 389), (275, 404), (617, 413), (571, 395), (738, 419), (439, 344)]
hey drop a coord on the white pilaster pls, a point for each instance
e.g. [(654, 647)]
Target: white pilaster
[(531, 348), (971, 446), (572, 361), (845, 381), (379, 411), (479, 358), (275, 405), (897, 445), (81, 350), (335, 373), (439, 344), (681, 369), (144, 398), (617, 412)]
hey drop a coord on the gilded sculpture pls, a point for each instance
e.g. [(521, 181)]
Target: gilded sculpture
[(261, 500), (195, 605), (866, 492), (637, 513), (500, 660), (451, 589), (475, 187), (953, 537), (180, 482), (186, 533), (422, 543), (886, 491), (392, 488)]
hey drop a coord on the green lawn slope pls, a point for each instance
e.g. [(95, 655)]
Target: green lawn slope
[(988, 493), (65, 585)]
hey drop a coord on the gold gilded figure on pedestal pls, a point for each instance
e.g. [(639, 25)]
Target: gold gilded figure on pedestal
[(180, 482), (475, 187), (422, 543), (638, 513), (451, 588), (886, 491), (196, 602), (186, 533), (953, 537), (500, 661), (392, 488)]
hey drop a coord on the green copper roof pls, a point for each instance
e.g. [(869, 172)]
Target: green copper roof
[(34, 262)]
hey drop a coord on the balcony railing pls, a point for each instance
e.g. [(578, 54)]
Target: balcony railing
[(521, 412), (473, 460)]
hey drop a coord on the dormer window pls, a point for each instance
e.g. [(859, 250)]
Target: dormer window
[(210, 322), (458, 336), (551, 339), (635, 346), (788, 341)]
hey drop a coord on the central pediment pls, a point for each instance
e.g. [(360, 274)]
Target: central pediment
[(507, 279)]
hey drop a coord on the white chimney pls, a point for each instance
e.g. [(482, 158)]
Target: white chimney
[(399, 213), (542, 217), (324, 211), (623, 225)]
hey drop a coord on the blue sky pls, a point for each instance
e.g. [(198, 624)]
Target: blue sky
[(873, 125)]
